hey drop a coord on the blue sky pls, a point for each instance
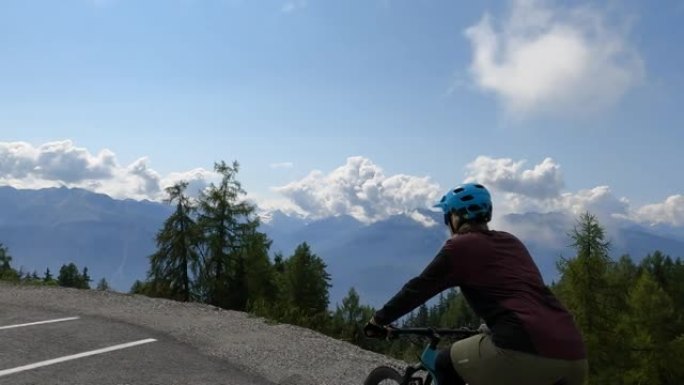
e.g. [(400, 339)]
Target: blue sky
[(418, 88)]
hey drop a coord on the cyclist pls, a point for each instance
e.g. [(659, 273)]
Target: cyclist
[(528, 336)]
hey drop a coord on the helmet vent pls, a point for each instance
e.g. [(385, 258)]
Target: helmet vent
[(467, 198), (479, 186), (458, 190)]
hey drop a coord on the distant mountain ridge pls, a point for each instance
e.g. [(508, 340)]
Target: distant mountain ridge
[(50, 227)]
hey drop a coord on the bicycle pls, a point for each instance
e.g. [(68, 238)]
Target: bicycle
[(426, 360)]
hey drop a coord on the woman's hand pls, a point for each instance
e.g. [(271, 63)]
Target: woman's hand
[(375, 330)]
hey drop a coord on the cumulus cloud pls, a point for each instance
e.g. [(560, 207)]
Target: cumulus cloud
[(547, 59), (671, 211), (360, 189), (539, 189), (599, 200), (198, 180), (542, 181), (61, 163), (56, 161)]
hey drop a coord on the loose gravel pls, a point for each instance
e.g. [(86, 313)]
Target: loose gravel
[(283, 354)]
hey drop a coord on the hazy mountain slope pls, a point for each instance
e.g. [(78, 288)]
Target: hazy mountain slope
[(50, 227), (46, 228)]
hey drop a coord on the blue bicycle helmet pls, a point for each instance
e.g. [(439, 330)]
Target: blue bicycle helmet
[(470, 201)]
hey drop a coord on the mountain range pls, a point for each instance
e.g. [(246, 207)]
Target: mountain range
[(50, 227)]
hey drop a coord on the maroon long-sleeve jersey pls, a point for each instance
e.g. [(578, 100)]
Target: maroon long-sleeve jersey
[(502, 284)]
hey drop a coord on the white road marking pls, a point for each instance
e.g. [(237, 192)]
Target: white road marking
[(38, 323), (7, 372)]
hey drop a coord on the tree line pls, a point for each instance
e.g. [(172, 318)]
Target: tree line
[(210, 250), (69, 274)]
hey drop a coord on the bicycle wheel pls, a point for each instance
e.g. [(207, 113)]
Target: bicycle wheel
[(383, 375)]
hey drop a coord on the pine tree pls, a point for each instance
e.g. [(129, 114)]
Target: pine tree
[(422, 316), (585, 290), (456, 312), (84, 279), (306, 284), (225, 219), (47, 278), (138, 287), (177, 260), (621, 276), (658, 265), (654, 353), (675, 289), (102, 285), (278, 263), (348, 320), (260, 274), (6, 271), (670, 276), (69, 276), (5, 258)]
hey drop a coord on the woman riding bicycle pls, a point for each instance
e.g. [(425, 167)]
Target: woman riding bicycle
[(532, 339)]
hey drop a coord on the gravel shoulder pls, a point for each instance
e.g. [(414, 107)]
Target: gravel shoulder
[(280, 353)]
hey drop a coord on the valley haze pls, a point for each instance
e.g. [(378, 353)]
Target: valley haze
[(49, 227)]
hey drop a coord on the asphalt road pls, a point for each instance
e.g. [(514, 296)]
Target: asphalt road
[(75, 349)]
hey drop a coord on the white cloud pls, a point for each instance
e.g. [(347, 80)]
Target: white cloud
[(267, 206), (671, 211), (599, 201), (539, 189), (148, 178), (61, 163), (547, 59), (293, 5), (198, 179), (281, 165), (55, 161), (360, 189), (504, 174)]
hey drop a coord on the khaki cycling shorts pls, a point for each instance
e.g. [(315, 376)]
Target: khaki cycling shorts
[(479, 362)]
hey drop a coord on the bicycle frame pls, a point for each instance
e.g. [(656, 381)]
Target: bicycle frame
[(429, 356), (427, 363), (428, 359)]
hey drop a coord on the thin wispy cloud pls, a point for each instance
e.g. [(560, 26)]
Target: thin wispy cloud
[(281, 165), (293, 6), (543, 58), (100, 3)]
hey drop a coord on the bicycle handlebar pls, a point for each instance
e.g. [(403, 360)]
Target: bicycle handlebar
[(434, 332)]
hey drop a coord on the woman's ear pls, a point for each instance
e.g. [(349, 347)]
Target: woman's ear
[(453, 222)]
